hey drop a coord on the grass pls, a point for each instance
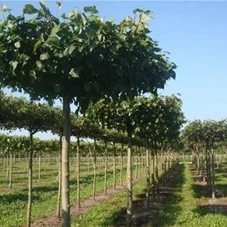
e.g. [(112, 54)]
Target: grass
[(108, 212), (181, 210), (13, 204)]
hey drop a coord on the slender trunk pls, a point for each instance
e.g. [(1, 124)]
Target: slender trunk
[(148, 175), (58, 213), (78, 172), (39, 166), (94, 169), (106, 167), (121, 167), (203, 167), (212, 175), (7, 166), (114, 166), (65, 163), (30, 153), (3, 164), (137, 164), (129, 181), (88, 162), (157, 172), (10, 169)]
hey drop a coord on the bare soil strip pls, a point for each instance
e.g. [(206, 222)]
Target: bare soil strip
[(52, 221)]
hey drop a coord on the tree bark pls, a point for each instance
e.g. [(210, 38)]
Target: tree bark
[(212, 175), (114, 167), (39, 166), (30, 153), (94, 169), (129, 181), (58, 213), (106, 167), (78, 172), (10, 169), (65, 163), (148, 175), (121, 165)]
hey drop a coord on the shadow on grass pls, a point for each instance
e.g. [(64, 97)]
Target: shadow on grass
[(200, 190), (216, 208), (163, 210), (16, 197), (209, 205), (169, 208)]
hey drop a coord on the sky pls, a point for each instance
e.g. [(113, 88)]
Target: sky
[(195, 34)]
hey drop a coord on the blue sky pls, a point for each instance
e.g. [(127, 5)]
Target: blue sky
[(194, 32)]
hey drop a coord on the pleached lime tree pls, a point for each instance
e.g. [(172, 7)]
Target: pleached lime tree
[(20, 113), (154, 119), (79, 58)]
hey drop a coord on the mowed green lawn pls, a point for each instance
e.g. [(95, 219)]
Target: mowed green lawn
[(13, 202), (181, 210)]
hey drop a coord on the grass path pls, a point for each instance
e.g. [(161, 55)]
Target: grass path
[(182, 209), (179, 209)]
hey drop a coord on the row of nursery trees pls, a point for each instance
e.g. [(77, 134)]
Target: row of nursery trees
[(151, 122), (102, 67), (207, 141)]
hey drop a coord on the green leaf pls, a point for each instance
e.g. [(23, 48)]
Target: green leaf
[(128, 19), (39, 64), (58, 4), (52, 40), (44, 56), (17, 44), (144, 17), (13, 64), (10, 17), (84, 19), (72, 14), (30, 9), (69, 50), (72, 48), (113, 49), (73, 73), (55, 30), (90, 9), (36, 45), (4, 9)]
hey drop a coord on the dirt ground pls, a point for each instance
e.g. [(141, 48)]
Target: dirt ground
[(217, 205), (144, 215), (52, 221)]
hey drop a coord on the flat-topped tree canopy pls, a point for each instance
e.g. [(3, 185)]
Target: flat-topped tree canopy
[(80, 55)]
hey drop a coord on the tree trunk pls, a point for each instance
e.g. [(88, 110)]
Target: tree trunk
[(39, 166), (10, 169), (65, 163), (78, 172), (137, 163), (94, 169), (129, 181), (148, 176), (121, 166), (106, 167), (114, 167), (30, 153), (212, 175), (58, 213), (7, 165)]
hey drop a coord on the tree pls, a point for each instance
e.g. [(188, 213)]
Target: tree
[(79, 58), (205, 136), (155, 119)]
